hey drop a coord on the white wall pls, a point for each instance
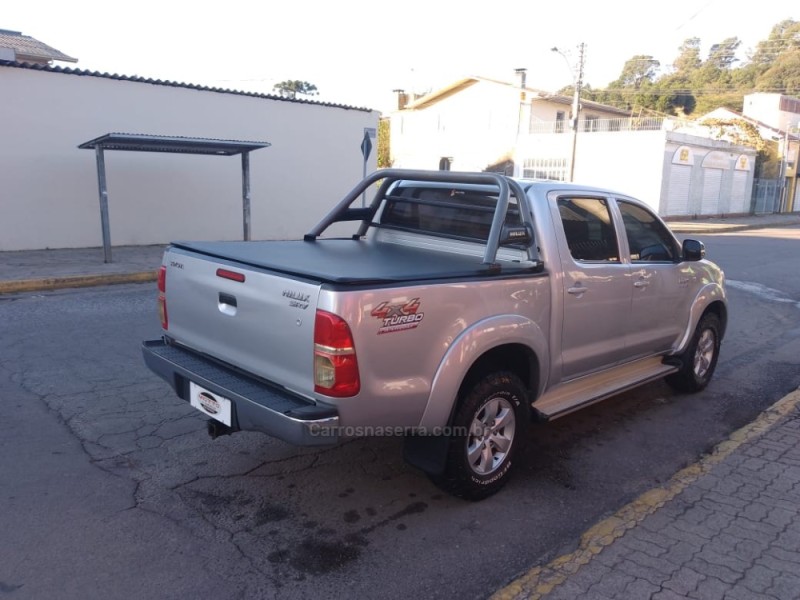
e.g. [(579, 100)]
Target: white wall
[(476, 127), (48, 188), (627, 162)]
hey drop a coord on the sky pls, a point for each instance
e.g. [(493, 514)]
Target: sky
[(358, 51)]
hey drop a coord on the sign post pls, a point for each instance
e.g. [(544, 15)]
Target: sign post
[(366, 150)]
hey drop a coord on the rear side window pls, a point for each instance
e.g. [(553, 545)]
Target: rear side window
[(450, 213), (648, 239), (589, 229)]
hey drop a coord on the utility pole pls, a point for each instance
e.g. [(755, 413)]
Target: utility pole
[(576, 109), (577, 82)]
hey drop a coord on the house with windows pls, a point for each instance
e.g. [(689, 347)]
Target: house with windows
[(475, 123), (675, 166)]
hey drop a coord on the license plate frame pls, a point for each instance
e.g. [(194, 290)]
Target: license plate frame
[(211, 404)]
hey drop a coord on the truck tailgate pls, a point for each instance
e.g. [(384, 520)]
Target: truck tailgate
[(263, 324)]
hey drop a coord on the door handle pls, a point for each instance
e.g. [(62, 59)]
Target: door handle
[(641, 283), (577, 290), (227, 299), (227, 304)]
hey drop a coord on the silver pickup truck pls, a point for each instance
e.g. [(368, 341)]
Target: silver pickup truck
[(460, 307)]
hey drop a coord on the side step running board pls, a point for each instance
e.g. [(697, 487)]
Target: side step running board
[(571, 396)]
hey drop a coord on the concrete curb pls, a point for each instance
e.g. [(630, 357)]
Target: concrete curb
[(695, 227), (75, 281), (540, 581)]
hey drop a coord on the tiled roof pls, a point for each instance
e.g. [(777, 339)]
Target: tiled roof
[(189, 86), (587, 104), (466, 82), (28, 48)]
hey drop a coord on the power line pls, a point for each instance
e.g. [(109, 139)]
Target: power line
[(690, 19)]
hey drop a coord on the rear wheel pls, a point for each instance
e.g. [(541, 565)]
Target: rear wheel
[(700, 358), (488, 430)]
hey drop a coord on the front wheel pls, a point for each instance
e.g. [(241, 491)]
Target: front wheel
[(700, 358), (488, 430)]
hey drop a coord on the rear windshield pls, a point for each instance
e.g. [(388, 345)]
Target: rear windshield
[(445, 212)]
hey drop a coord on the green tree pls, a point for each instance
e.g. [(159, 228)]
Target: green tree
[(688, 59), (784, 38), (744, 133), (637, 71), (723, 54), (783, 76), (384, 144), (292, 87)]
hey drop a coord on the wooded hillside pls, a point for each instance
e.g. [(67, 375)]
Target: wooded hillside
[(693, 85)]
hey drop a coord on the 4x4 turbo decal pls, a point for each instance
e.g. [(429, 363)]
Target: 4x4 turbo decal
[(398, 317)]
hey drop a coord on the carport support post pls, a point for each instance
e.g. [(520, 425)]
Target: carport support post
[(101, 183), (246, 194)]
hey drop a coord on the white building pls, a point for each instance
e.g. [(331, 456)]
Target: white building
[(774, 110), (475, 123), (49, 188), (480, 124)]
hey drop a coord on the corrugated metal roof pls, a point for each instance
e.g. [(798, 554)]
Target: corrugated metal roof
[(142, 142), (188, 86), (27, 48)]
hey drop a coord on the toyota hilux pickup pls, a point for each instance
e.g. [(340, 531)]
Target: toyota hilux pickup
[(458, 308)]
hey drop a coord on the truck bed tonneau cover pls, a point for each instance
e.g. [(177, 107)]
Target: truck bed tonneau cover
[(346, 261)]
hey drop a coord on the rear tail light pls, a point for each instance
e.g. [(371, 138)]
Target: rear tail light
[(162, 298), (335, 362)]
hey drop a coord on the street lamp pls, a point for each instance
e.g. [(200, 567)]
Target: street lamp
[(577, 83)]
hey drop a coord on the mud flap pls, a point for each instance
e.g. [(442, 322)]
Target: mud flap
[(426, 452)]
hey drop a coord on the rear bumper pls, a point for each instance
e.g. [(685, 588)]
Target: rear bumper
[(257, 406)]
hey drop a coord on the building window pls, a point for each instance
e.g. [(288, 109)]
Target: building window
[(560, 117), (590, 123), (445, 162), (545, 168), (790, 104)]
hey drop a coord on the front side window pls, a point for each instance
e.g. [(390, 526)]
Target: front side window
[(589, 229), (648, 239)]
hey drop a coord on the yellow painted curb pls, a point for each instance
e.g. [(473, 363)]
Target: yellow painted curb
[(75, 281), (541, 580)]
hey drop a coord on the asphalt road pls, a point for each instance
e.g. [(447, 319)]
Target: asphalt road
[(110, 487)]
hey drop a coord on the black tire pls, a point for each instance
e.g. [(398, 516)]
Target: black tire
[(482, 450), (700, 358)]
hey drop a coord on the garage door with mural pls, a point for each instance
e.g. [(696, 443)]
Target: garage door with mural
[(707, 183)]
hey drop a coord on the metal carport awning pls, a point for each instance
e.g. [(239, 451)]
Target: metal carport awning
[(138, 142)]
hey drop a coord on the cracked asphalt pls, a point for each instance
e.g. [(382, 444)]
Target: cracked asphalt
[(110, 487)]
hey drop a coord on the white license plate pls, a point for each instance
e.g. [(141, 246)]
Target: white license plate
[(215, 406)]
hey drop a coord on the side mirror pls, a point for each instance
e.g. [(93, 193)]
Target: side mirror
[(693, 250), (521, 235)]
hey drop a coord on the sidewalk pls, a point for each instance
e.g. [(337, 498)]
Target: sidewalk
[(729, 224), (727, 527), (35, 270)]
